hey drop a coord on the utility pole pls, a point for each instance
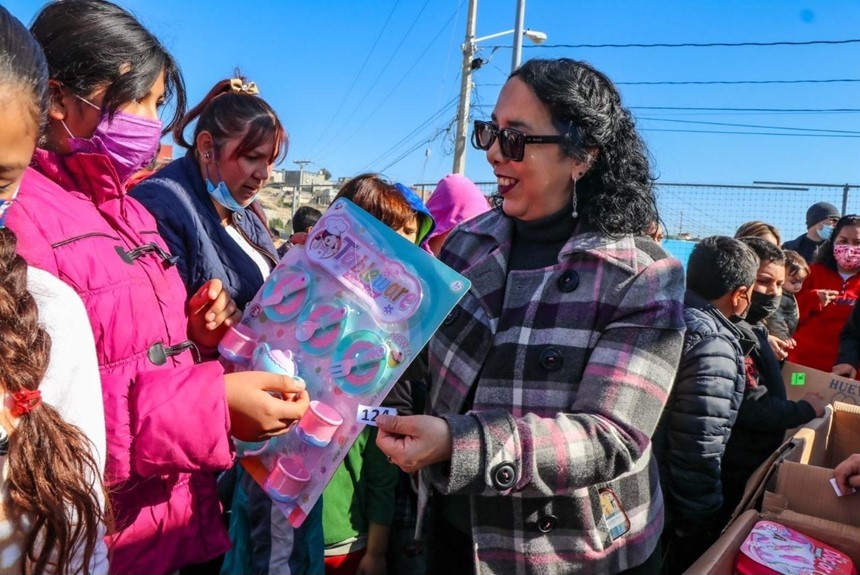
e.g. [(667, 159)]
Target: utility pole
[(518, 34), (465, 91), (297, 190)]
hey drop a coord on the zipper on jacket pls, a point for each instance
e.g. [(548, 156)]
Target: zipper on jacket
[(82, 237)]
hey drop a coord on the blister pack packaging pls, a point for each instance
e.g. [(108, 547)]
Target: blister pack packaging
[(347, 313)]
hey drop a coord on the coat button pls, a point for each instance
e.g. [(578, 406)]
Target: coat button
[(550, 359), (547, 523), (504, 476), (239, 216), (568, 281), (451, 317)]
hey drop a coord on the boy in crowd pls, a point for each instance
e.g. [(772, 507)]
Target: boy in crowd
[(704, 402), (303, 221), (765, 413)]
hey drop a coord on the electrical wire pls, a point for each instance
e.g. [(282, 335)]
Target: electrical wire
[(829, 110), (343, 100), (697, 44), (394, 52), (394, 148), (820, 130), (403, 77), (738, 133), (735, 82)]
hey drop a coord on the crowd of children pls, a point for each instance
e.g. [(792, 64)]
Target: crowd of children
[(117, 417)]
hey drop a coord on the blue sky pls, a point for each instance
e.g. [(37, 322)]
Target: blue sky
[(350, 107)]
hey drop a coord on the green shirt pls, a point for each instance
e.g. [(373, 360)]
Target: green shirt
[(361, 491)]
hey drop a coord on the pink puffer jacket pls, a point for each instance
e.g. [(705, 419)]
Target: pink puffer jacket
[(167, 419)]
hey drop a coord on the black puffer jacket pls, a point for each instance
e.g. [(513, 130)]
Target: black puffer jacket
[(763, 418), (702, 408)]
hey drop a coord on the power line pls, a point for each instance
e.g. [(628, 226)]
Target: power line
[(734, 82), (394, 53), (406, 138), (738, 133), (753, 126), (357, 76), (839, 110), (695, 45), (721, 82), (403, 77)]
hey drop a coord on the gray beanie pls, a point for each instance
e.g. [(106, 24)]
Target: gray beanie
[(820, 211)]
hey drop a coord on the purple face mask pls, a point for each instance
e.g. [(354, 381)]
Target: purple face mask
[(129, 141)]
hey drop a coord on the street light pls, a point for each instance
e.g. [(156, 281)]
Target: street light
[(470, 65)]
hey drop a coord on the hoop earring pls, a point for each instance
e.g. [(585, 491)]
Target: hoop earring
[(573, 201)]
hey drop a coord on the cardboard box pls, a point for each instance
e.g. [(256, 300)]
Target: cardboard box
[(804, 486), (720, 558), (800, 380), (800, 447)]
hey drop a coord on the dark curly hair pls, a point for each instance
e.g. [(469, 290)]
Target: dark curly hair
[(53, 476), (824, 255), (616, 195)]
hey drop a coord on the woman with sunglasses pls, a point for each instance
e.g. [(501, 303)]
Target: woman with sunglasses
[(549, 377), (167, 414)]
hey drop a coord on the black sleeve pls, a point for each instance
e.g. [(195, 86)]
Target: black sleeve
[(849, 340), (706, 397)]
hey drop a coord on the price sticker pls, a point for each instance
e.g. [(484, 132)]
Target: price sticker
[(367, 415)]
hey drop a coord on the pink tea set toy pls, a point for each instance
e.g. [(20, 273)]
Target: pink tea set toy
[(346, 313)]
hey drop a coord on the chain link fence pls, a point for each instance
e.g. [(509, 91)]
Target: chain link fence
[(689, 211)]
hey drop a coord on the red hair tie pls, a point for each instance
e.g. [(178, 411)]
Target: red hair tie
[(25, 401)]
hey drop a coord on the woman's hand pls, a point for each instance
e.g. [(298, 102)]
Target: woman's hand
[(826, 296), (779, 346), (210, 312), (415, 441), (847, 474), (255, 414), (845, 370)]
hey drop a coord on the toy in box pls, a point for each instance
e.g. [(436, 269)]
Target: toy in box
[(773, 549), (347, 313)]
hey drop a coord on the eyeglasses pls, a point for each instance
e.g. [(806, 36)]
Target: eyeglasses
[(512, 143)]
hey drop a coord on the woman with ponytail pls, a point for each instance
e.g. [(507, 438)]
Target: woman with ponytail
[(206, 211), (169, 407), (52, 440)]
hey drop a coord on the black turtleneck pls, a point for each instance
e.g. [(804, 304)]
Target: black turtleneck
[(536, 244)]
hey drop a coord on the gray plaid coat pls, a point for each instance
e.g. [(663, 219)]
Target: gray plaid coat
[(572, 366)]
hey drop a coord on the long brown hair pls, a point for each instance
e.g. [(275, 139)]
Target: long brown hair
[(54, 479)]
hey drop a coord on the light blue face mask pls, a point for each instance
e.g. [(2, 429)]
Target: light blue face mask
[(221, 193), (826, 232)]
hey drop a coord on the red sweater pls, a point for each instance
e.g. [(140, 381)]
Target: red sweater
[(819, 327)]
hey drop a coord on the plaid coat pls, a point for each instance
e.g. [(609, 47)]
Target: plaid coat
[(572, 366)]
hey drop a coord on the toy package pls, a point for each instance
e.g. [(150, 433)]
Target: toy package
[(774, 549), (347, 313)]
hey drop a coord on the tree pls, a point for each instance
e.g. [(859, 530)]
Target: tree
[(325, 173)]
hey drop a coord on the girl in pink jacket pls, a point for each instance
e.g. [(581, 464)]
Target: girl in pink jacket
[(167, 412)]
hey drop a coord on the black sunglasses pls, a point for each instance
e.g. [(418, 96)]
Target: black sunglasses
[(512, 143)]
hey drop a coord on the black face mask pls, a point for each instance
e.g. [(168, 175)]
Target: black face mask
[(761, 307)]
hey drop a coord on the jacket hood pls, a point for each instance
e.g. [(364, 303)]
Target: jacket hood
[(455, 200), (426, 224)]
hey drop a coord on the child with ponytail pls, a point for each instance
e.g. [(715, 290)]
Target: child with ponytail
[(52, 439)]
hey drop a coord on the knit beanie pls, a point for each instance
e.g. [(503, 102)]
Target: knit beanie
[(820, 211)]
